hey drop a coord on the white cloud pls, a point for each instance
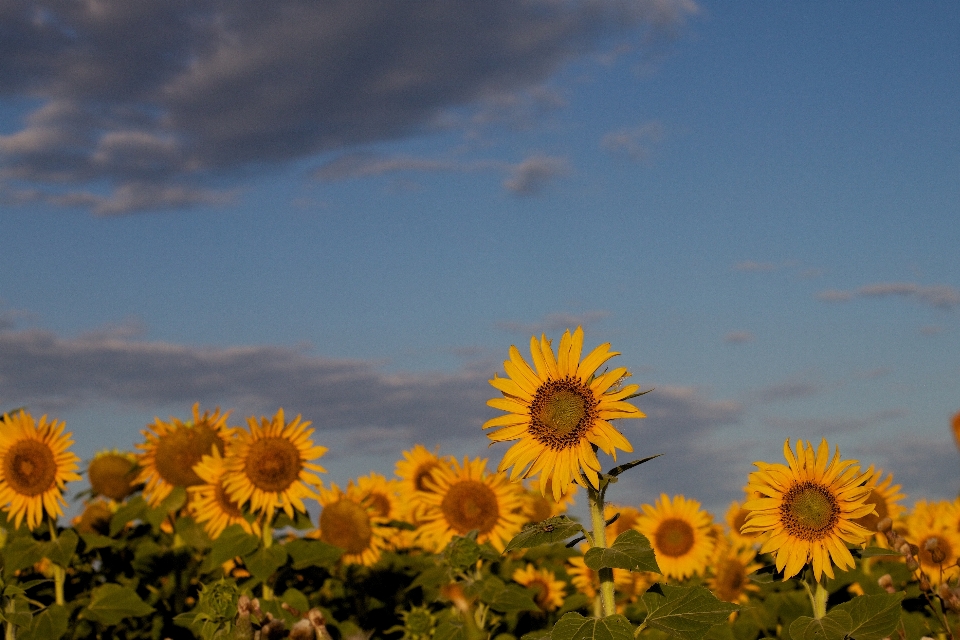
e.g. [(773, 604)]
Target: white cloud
[(532, 175)]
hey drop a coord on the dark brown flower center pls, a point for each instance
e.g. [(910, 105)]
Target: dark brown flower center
[(469, 505), (112, 475), (178, 451), (731, 579), (30, 468), (227, 505), (561, 412), (809, 511), (273, 464), (380, 504), (423, 473), (345, 524), (674, 537)]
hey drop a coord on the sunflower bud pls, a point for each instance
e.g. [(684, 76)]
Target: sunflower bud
[(886, 583), (884, 525), (932, 546)]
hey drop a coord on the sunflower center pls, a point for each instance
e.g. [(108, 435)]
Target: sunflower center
[(424, 472), (674, 537), (227, 505), (345, 524), (539, 508), (178, 451), (561, 412), (469, 505), (379, 503), (542, 590), (809, 511), (731, 579), (273, 464), (30, 468)]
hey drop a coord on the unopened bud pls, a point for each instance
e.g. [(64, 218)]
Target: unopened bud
[(905, 550), (884, 525), (912, 563), (886, 582)]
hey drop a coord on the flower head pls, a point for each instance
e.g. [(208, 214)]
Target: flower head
[(560, 411), (680, 534)]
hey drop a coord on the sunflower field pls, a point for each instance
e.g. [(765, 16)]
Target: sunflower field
[(204, 532)]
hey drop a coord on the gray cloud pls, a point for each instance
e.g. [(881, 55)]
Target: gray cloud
[(822, 427), (532, 175), (151, 98), (940, 296), (738, 337), (784, 391), (925, 466), (636, 143)]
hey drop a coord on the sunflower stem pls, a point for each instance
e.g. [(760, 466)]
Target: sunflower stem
[(818, 598), (607, 592), (10, 631), (59, 573), (267, 532)]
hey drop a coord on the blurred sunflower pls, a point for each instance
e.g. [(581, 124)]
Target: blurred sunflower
[(35, 465), (630, 585), (736, 516), (269, 465), (560, 412), (464, 498), (113, 473), (885, 499), (539, 504), (209, 503), (933, 528), (172, 448), (350, 521), (627, 520), (680, 534), (809, 509), (382, 495), (549, 591), (95, 517), (730, 568)]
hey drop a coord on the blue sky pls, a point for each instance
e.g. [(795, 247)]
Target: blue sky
[(351, 210)]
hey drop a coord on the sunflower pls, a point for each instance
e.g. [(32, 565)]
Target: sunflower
[(466, 498), (933, 528), (680, 534), (539, 505), (35, 465), (629, 585), (415, 470), (627, 520), (809, 509), (549, 591), (731, 567), (382, 495), (560, 412), (884, 498), (735, 517), (172, 448), (95, 517), (350, 521), (269, 464), (209, 503), (112, 474)]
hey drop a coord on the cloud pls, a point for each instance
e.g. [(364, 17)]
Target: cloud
[(150, 97), (532, 175), (636, 143), (939, 296), (822, 427), (785, 391), (738, 337), (926, 467), (750, 265), (553, 322)]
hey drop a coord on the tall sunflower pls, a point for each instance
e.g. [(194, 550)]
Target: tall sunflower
[(35, 465), (172, 448), (680, 533), (465, 498), (560, 412), (209, 503), (350, 521), (809, 510), (269, 465)]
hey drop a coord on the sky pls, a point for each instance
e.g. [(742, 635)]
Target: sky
[(351, 210)]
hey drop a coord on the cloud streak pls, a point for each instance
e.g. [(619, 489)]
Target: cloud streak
[(939, 296), (154, 98)]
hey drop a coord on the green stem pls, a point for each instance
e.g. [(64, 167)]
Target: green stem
[(818, 599), (59, 573), (267, 533), (607, 592), (10, 632)]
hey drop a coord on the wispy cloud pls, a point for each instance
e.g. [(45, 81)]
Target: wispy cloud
[(940, 296), (636, 143), (827, 426), (149, 103), (738, 337), (785, 391), (532, 175)]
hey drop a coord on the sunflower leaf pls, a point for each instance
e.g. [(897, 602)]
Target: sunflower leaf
[(685, 612), (555, 529), (573, 626), (503, 597), (835, 625), (135, 509), (873, 552), (312, 553), (21, 553), (111, 603), (450, 630), (234, 541), (873, 616), (630, 551), (630, 465), (61, 550), (265, 560), (49, 624)]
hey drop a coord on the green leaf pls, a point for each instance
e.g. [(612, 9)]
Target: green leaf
[(833, 626), (17, 612), (21, 553), (93, 541), (539, 634), (462, 552), (296, 599), (686, 612), (300, 521), (873, 552), (872, 617), (173, 502), (630, 465), (49, 624), (135, 509), (555, 529), (573, 626), (62, 550), (234, 541), (630, 551), (312, 553), (111, 603), (503, 597), (450, 630), (264, 561)]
